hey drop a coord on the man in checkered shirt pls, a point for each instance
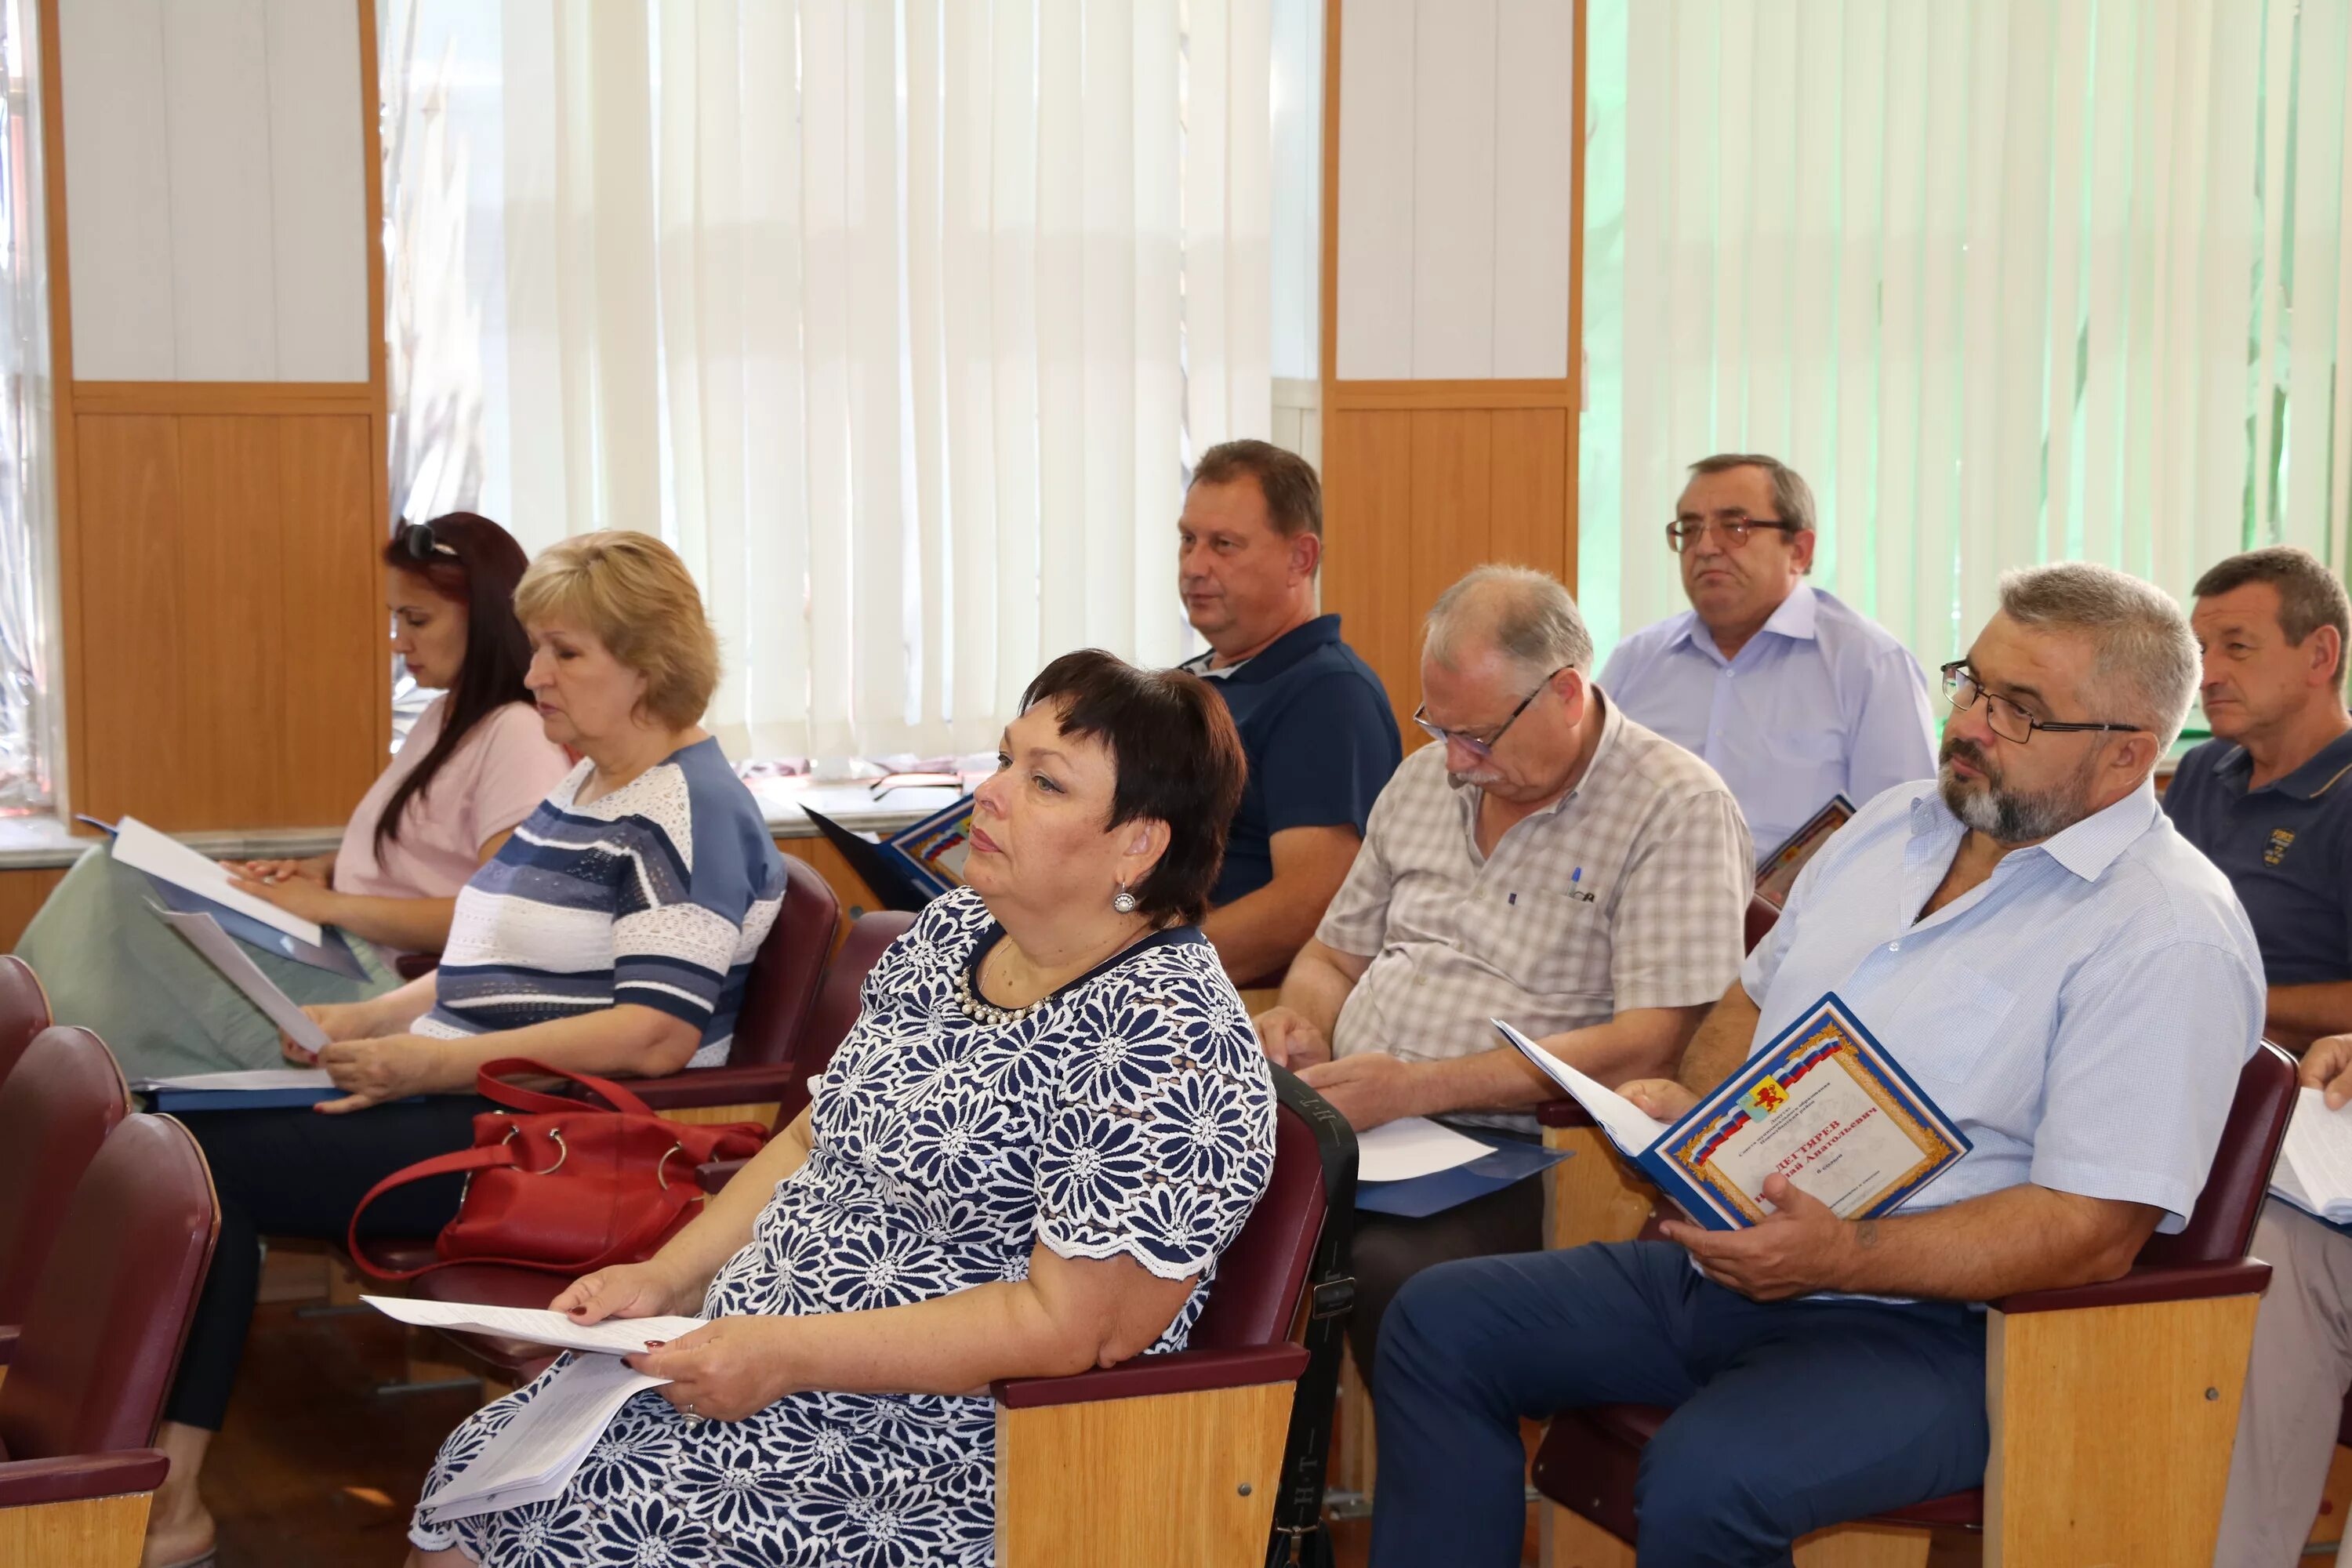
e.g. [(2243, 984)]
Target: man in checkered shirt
[(1550, 862)]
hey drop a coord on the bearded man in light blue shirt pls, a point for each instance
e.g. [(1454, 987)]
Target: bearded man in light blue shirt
[(2071, 982), (1790, 694)]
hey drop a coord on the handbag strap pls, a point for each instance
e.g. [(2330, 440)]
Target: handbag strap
[(481, 1158), (489, 1081)]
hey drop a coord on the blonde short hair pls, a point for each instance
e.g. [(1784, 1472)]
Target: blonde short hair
[(632, 591)]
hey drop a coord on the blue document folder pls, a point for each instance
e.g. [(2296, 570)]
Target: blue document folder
[(1421, 1196), (330, 955)]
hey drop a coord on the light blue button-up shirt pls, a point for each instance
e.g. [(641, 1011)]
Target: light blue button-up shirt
[(2082, 1013), (1822, 701)]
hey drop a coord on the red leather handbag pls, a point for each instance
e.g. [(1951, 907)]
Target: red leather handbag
[(571, 1187)]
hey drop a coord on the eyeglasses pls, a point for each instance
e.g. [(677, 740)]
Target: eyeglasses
[(2009, 721), (1476, 746), (417, 543), (1685, 531)]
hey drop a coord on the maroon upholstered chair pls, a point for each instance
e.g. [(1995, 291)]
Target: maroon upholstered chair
[(782, 987), (1176, 1458), (23, 1009), (100, 1339), (2113, 1406), (514, 1362), (55, 1109), (1761, 916)]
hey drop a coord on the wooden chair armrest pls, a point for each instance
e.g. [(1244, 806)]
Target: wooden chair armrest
[(1183, 1372), (2190, 1282), (28, 1483), (713, 1086)]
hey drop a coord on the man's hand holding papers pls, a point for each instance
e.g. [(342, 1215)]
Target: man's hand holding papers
[(1798, 1248)]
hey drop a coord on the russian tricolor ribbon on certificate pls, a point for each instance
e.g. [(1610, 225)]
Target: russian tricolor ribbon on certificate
[(1824, 1105)]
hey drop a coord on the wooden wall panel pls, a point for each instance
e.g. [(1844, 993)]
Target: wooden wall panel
[(231, 635), (329, 482), (1414, 498), (22, 894)]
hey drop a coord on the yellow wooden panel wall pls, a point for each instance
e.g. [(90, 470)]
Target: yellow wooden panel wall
[(229, 661), (1416, 497)]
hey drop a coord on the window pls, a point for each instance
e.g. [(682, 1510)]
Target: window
[(2008, 283), (27, 505), (901, 322)]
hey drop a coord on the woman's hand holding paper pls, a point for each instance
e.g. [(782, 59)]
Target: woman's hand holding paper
[(1798, 1248), (628, 1290), (726, 1370), (297, 895), (2328, 1065), (374, 1072)]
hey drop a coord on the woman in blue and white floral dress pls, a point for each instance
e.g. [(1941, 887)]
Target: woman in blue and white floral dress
[(1051, 1117)]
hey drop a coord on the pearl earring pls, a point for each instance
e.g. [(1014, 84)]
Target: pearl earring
[(1123, 901)]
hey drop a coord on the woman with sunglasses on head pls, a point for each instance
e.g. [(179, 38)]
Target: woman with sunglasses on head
[(474, 764)]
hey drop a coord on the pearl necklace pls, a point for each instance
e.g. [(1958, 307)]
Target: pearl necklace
[(981, 1012)]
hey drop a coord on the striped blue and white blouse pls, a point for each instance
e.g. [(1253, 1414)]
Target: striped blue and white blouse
[(656, 894)]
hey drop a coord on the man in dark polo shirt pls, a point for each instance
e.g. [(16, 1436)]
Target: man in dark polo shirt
[(2267, 799), (1314, 721)]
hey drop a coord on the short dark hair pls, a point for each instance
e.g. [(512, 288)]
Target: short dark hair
[(2310, 597), (1792, 497), (1293, 496), (1177, 757)]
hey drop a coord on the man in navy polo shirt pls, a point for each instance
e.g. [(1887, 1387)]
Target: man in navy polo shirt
[(1314, 721), (2269, 800)]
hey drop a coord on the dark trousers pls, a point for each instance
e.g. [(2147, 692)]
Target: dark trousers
[(1788, 1416), (293, 1171), (1389, 1250)]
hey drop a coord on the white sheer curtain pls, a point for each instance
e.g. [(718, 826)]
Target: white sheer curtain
[(902, 319), (2009, 282), (31, 757)]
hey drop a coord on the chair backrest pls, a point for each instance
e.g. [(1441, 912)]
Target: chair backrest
[(1762, 916), (23, 1009), (1255, 1297), (837, 1002), (103, 1333), (55, 1109), (786, 972), (2223, 1220)]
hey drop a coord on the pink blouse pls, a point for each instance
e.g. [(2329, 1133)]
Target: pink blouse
[(500, 771)]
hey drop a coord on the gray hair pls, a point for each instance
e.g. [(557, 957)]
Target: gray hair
[(1792, 497), (2144, 666), (1524, 614)]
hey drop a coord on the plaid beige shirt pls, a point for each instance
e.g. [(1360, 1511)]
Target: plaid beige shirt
[(1627, 893)]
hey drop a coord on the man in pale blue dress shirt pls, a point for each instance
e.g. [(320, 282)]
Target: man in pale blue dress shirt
[(1788, 692), (2066, 976)]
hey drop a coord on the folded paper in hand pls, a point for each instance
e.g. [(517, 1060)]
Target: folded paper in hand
[(535, 1454), (1823, 1105), (205, 935), (142, 849)]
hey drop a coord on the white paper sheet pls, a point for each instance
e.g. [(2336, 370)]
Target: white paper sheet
[(255, 1080), (1630, 1128), (142, 849), (613, 1336), (1413, 1146), (2318, 1151), (535, 1455), (205, 935)]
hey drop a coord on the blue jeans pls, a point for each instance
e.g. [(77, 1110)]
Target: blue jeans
[(1788, 1416)]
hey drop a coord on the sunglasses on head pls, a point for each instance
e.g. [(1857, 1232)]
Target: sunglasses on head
[(417, 543)]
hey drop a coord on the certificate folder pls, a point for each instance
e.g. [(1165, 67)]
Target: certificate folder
[(1777, 873), (913, 866), (1823, 1105)]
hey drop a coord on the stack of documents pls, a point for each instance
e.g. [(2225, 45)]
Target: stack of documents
[(535, 1455), (1823, 1105), (2314, 1165), (1414, 1167)]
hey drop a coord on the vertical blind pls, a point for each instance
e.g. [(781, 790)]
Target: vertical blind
[(901, 318), (2011, 281)]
